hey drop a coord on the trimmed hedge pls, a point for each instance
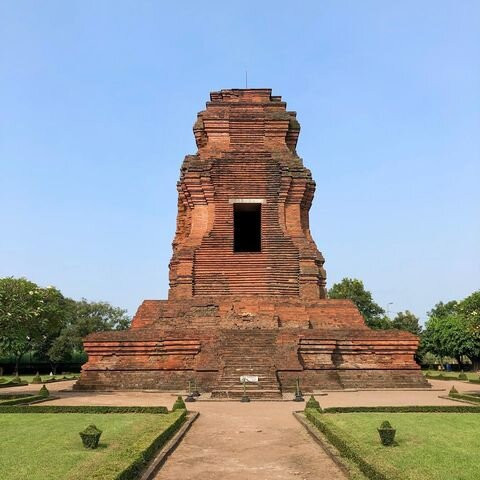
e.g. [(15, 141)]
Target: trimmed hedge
[(407, 409), (464, 396), (179, 404), (12, 383), (90, 436), (474, 380), (43, 392), (313, 403), (22, 400), (342, 446), (441, 376), (133, 471), (81, 409), (11, 396)]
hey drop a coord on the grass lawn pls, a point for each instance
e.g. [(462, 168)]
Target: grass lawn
[(430, 446), (470, 375), (28, 378), (48, 447)]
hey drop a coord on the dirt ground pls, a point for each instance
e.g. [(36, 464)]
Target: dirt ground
[(257, 440)]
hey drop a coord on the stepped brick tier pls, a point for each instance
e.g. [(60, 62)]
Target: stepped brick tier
[(247, 284)]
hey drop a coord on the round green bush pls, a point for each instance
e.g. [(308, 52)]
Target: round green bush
[(462, 376), (37, 378)]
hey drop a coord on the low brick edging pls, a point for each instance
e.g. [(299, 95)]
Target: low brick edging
[(162, 455), (329, 449)]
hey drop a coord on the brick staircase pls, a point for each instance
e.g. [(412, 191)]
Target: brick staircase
[(248, 352)]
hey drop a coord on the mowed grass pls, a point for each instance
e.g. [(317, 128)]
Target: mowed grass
[(433, 446), (470, 375), (48, 446), (29, 378)]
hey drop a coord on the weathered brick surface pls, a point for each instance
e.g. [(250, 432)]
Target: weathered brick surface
[(260, 313)]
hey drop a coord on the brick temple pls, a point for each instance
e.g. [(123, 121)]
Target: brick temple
[(247, 284)]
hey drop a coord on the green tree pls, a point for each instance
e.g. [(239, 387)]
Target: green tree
[(353, 289), (443, 309), (28, 315), (407, 321), (453, 330), (90, 317), (84, 318), (469, 310), (447, 337)]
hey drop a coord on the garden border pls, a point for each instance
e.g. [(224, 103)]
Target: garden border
[(167, 440), (406, 409), (317, 435), (344, 448), (169, 447), (135, 469), (81, 409)]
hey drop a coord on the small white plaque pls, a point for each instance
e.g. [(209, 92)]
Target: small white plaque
[(249, 379)]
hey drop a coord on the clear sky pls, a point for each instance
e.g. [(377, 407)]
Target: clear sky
[(98, 99)]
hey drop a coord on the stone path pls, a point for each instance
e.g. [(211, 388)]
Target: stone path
[(259, 440)]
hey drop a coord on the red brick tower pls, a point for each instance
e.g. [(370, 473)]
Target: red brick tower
[(245, 184), (247, 284)]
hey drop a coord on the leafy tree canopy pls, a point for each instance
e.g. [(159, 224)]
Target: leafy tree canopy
[(407, 321), (28, 315), (453, 329), (443, 309), (354, 290), (43, 321)]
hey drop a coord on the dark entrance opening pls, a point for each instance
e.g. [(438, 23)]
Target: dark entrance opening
[(247, 233)]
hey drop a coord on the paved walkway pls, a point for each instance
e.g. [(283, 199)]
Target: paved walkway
[(259, 440), (235, 441)]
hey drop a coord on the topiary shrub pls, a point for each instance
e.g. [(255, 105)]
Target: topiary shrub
[(179, 404), (37, 378), (313, 403), (453, 391), (16, 379), (462, 376), (387, 433), (43, 392), (91, 436)]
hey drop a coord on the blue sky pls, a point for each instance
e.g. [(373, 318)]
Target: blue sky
[(98, 99)]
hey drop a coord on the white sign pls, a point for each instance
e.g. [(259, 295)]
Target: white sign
[(249, 379)]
